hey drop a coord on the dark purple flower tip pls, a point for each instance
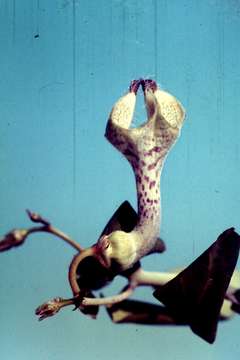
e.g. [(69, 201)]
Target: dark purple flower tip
[(149, 84), (135, 85)]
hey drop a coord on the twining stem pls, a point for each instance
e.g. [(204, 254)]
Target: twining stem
[(17, 237), (139, 278), (54, 231), (47, 227), (111, 299)]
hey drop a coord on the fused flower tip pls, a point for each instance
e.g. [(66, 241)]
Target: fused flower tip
[(135, 85), (14, 238), (149, 84), (50, 308)]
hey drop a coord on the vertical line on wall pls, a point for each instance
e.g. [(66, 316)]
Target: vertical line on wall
[(38, 8), (220, 70), (124, 35), (13, 21), (156, 39), (74, 97)]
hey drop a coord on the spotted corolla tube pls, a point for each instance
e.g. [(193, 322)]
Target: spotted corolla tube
[(146, 148)]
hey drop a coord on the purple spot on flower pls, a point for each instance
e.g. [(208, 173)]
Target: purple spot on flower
[(156, 149), (152, 184), (138, 179), (151, 166), (146, 178)]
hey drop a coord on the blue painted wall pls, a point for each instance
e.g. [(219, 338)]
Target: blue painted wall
[(63, 65)]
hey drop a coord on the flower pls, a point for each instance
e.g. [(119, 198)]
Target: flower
[(50, 308)]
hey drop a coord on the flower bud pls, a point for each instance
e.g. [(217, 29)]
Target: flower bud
[(14, 238)]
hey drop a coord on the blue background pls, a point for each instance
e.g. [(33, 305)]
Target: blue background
[(56, 91)]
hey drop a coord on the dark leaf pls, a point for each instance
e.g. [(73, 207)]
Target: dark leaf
[(196, 295), (125, 219)]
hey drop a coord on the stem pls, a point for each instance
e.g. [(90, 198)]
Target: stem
[(58, 233), (151, 278), (47, 227), (73, 268), (111, 299)]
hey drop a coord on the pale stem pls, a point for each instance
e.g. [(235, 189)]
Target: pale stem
[(54, 231), (111, 299), (151, 278), (47, 227)]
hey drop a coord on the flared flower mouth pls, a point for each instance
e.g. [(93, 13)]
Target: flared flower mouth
[(162, 108)]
